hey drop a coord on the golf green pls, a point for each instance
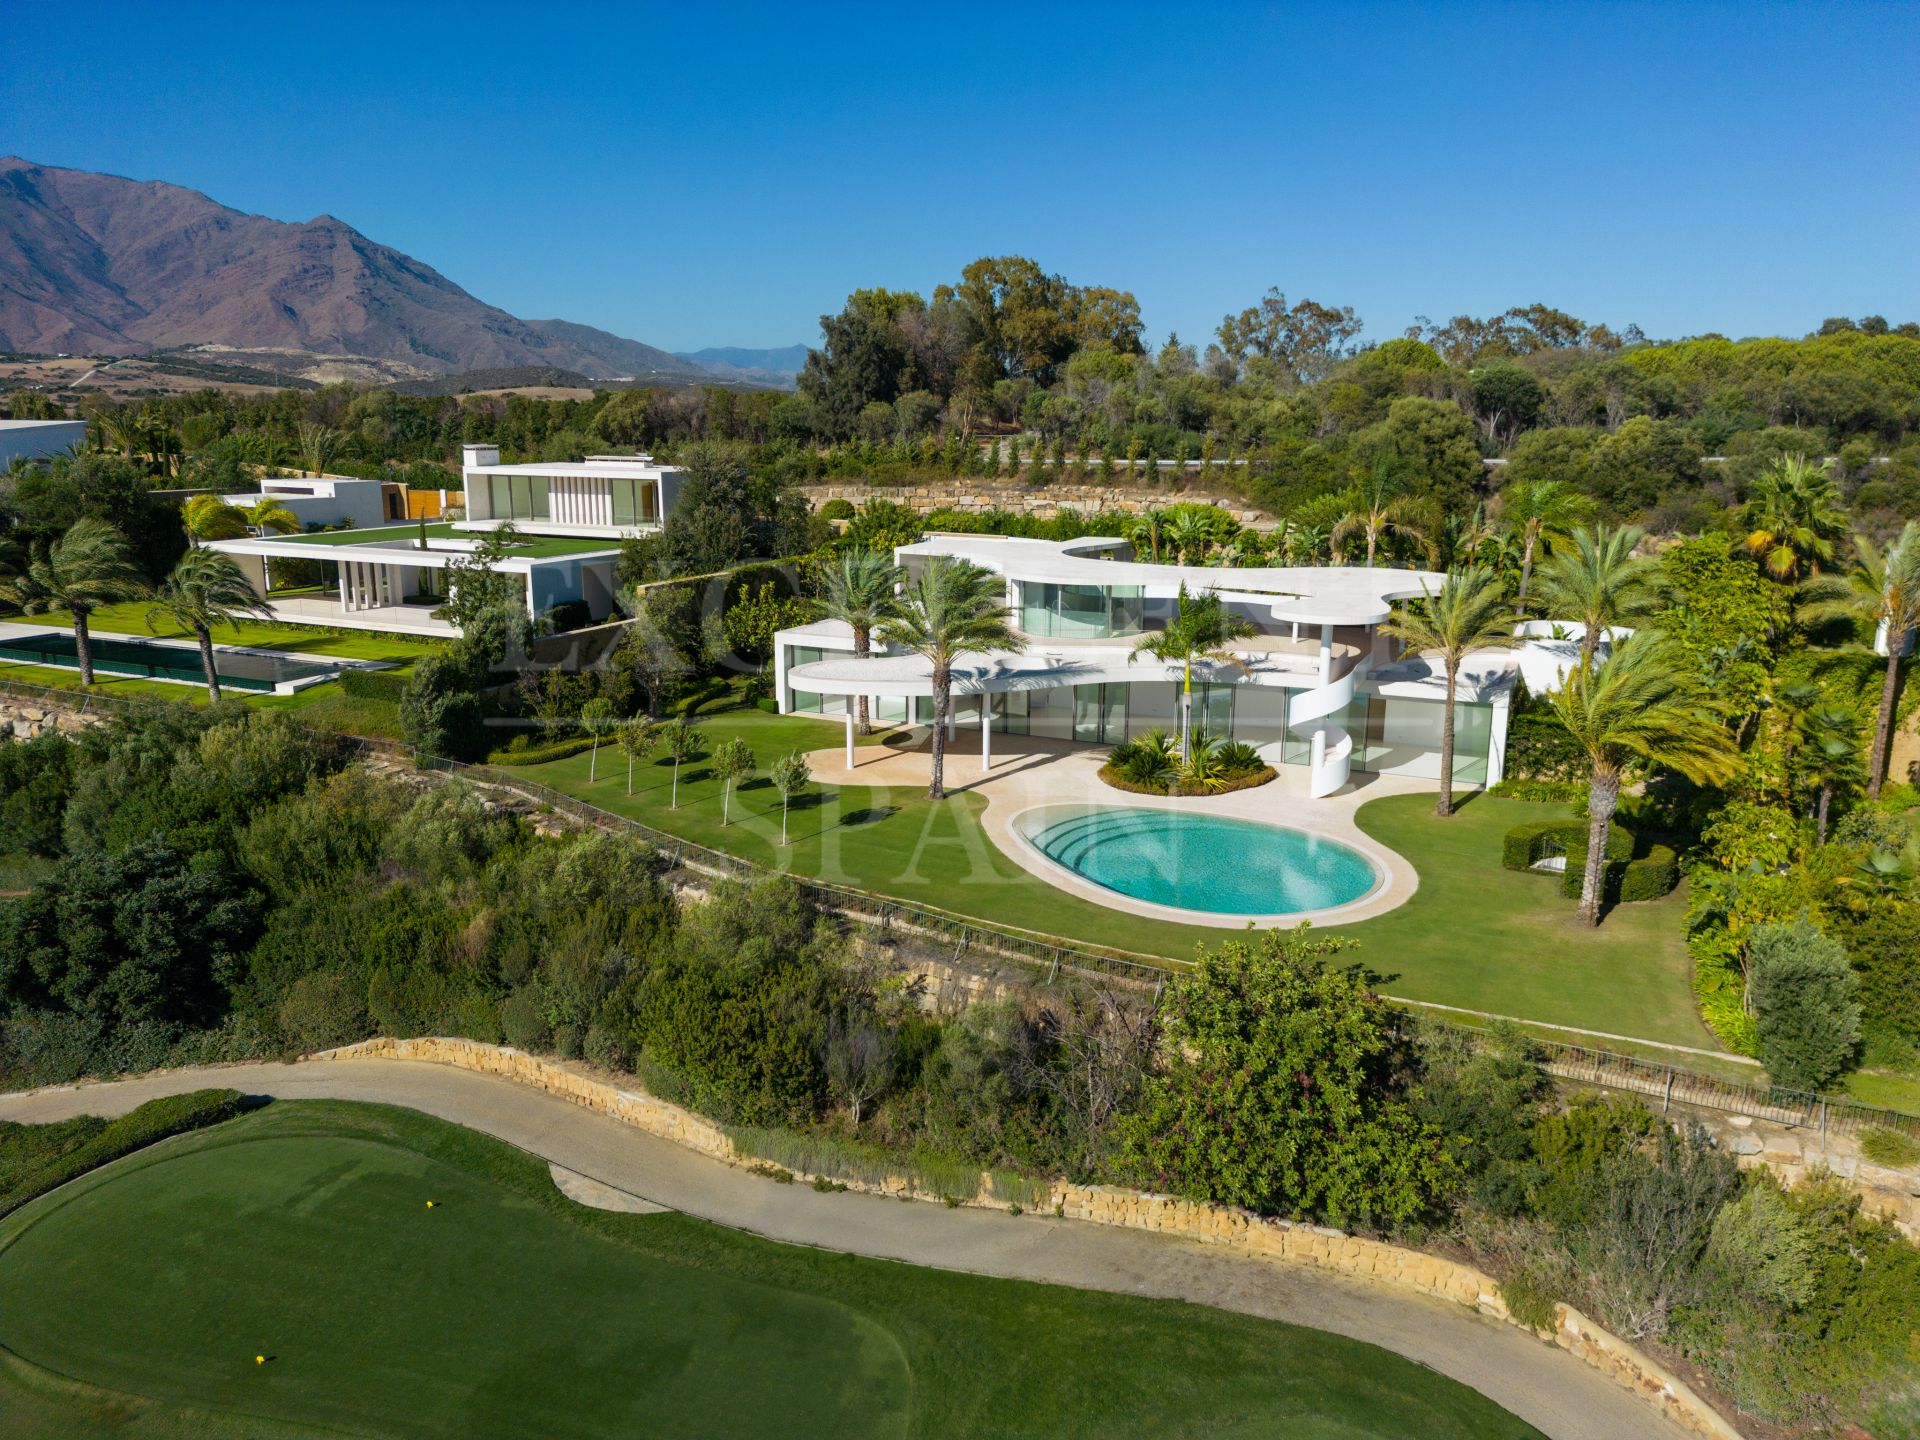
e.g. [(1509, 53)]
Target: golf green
[(135, 1301)]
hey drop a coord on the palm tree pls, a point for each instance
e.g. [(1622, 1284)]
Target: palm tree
[(317, 445), (1540, 512), (267, 513), (1830, 751), (950, 609), (204, 590), (85, 568), (860, 591), (1465, 614), (1191, 530), (1201, 629), (1883, 589), (1376, 516), (1599, 581), (1144, 531), (208, 517), (1793, 517), (1644, 701)]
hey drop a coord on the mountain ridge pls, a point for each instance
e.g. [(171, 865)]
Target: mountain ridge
[(101, 264)]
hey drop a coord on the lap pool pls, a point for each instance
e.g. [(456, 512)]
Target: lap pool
[(150, 660), (1195, 861)]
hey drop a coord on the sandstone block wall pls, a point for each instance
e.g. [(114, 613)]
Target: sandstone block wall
[(1278, 1240), (26, 719)]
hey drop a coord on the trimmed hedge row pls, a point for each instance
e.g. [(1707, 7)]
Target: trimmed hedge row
[(1651, 876), (1625, 879), (374, 685), (137, 1129), (540, 754)]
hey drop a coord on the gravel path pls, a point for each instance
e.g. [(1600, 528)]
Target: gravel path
[(1535, 1380)]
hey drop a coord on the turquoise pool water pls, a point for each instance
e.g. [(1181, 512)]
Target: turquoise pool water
[(1197, 861)]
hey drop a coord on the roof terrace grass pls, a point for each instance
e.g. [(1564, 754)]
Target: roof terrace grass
[(533, 547)]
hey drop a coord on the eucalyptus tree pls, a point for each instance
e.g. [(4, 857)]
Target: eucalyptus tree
[(1646, 702), (860, 593), (1202, 629), (951, 608), (85, 568), (206, 588), (1465, 614), (1598, 580), (1882, 590)]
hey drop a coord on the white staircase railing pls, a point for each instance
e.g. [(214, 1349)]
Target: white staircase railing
[(1331, 756)]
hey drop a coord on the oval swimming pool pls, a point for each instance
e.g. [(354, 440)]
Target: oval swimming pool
[(1194, 861)]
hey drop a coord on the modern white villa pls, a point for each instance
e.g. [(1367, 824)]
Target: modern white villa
[(571, 517), (1319, 687)]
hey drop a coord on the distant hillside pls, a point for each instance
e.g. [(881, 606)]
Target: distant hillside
[(99, 265), (734, 362)]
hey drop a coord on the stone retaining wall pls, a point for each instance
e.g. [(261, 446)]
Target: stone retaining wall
[(975, 496), (1278, 1240)]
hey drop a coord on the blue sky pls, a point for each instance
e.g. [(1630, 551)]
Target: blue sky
[(707, 175)]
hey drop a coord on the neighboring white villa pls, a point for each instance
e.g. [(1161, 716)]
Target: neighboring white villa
[(40, 439), (330, 499), (571, 518), (610, 497), (1320, 686)]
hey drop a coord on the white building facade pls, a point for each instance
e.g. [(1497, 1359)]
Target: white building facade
[(1318, 686), (610, 497)]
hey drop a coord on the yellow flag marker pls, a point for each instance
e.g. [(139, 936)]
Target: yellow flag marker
[(259, 1359), (429, 1204)]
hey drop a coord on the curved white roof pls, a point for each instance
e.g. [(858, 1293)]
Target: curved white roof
[(1309, 594)]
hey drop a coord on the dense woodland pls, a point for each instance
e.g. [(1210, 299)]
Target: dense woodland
[(224, 886)]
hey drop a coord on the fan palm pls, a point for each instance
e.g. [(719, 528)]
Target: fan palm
[(1202, 628), (1599, 581), (1882, 589), (1793, 517), (1540, 512), (1465, 614), (1829, 752), (1644, 701), (951, 608), (860, 592), (204, 590), (85, 568)]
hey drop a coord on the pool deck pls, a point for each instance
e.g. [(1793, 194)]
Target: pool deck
[(1028, 773)]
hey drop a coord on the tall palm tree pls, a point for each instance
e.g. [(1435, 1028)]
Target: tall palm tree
[(1644, 701), (208, 517), (1144, 532), (1794, 518), (204, 590), (860, 592), (1202, 628), (1540, 512), (1882, 589), (1599, 581), (950, 609), (85, 568), (268, 514), (317, 445), (1465, 614)]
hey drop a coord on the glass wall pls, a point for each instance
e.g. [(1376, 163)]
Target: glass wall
[(807, 702), (632, 501), (518, 497), (1403, 736), (1080, 612)]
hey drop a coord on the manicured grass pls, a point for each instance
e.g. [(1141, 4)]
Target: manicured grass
[(1889, 1089), (138, 1297), (1475, 935)]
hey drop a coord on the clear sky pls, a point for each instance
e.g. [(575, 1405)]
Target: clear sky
[(695, 175)]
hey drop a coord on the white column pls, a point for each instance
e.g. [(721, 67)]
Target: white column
[(1326, 653), (1319, 752), (849, 734), (986, 734)]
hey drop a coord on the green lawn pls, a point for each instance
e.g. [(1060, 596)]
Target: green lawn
[(138, 1297), (1475, 935)]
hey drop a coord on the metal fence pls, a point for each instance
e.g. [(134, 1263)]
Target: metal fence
[(1052, 959)]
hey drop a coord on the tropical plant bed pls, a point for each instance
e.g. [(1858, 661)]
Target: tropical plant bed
[(1226, 785)]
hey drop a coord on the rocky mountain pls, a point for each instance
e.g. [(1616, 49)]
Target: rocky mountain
[(99, 265)]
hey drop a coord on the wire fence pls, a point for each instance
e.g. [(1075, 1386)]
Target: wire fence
[(1052, 960)]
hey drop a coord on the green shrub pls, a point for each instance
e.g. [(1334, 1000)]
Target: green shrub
[(374, 685), (1530, 1298), (1805, 1003), (1534, 840), (1563, 792), (1651, 876), (541, 754), (138, 1128), (838, 508), (1884, 1145), (1619, 852)]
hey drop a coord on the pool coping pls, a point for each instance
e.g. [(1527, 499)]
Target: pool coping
[(1055, 872)]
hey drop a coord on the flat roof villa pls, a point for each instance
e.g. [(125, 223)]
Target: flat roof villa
[(1320, 686), (571, 516)]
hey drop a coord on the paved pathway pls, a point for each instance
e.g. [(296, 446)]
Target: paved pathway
[(1534, 1380)]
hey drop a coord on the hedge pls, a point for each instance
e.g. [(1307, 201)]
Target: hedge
[(1619, 852), (373, 685), (1533, 840), (1651, 876), (137, 1129), (541, 754)]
